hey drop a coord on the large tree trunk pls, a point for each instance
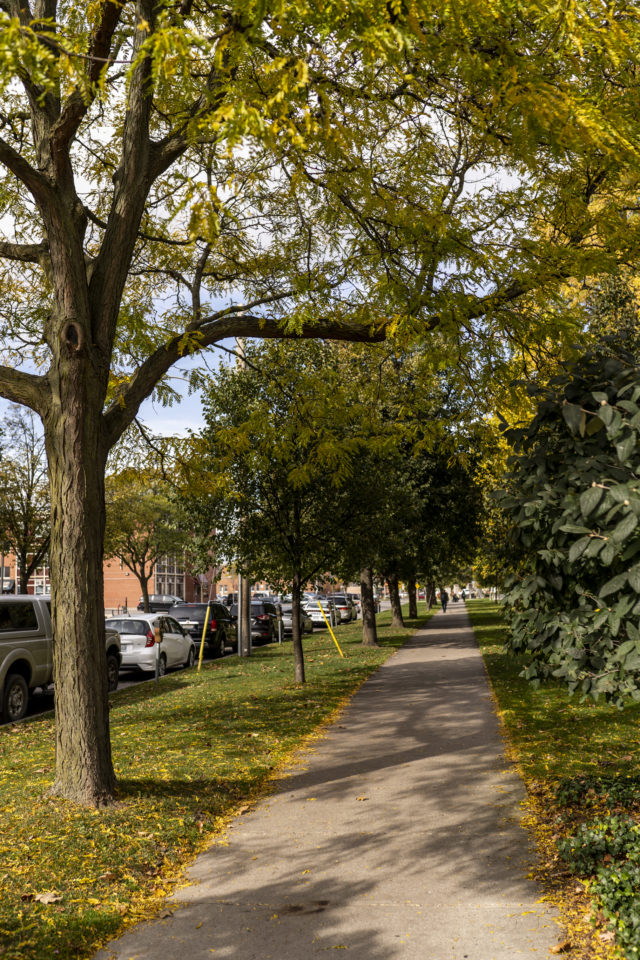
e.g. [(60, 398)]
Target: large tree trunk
[(244, 614), (430, 594), (369, 628), (144, 586), (397, 619), (24, 573), (298, 653), (413, 599), (84, 770)]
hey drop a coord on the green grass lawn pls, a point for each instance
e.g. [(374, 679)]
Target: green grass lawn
[(579, 760), (189, 753)]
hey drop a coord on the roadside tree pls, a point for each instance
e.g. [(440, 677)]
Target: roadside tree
[(275, 469), (129, 211), (143, 524), (25, 516)]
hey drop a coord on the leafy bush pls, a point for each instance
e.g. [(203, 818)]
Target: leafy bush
[(589, 790), (574, 497), (614, 838), (617, 889), (607, 849)]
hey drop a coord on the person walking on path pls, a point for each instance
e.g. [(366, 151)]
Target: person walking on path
[(444, 600), (396, 837)]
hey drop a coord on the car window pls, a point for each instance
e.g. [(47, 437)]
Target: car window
[(187, 611), (18, 616), (257, 609), (173, 626), (136, 627), (219, 611), (233, 609)]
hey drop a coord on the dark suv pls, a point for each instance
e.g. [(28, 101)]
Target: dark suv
[(221, 629), (264, 620), (160, 602)]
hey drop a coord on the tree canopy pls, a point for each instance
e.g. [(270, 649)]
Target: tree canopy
[(172, 174)]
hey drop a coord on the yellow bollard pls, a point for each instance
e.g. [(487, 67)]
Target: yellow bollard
[(204, 633), (330, 630)]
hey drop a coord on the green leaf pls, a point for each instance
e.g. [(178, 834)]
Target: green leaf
[(575, 417), (578, 548), (590, 499), (625, 528), (626, 447), (625, 648), (616, 583), (633, 576)]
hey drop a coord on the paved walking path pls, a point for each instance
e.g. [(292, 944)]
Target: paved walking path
[(396, 837)]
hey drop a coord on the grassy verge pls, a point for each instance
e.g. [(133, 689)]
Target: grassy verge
[(189, 753), (579, 761)]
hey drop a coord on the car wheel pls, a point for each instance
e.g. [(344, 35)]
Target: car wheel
[(191, 659), (162, 666), (113, 672), (16, 698)]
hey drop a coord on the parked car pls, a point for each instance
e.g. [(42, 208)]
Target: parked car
[(264, 620), (344, 607), (160, 602), (313, 608), (26, 651), (357, 602), (306, 623), (138, 642), (221, 629)]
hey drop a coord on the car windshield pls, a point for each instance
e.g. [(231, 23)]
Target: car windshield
[(186, 610), (137, 627)]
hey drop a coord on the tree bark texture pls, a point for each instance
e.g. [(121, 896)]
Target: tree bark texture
[(397, 620), (84, 771), (369, 628), (244, 613), (413, 599), (298, 653), (431, 594)]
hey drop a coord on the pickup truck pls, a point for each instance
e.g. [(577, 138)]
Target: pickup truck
[(26, 652)]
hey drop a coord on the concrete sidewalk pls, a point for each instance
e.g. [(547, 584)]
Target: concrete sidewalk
[(398, 836)]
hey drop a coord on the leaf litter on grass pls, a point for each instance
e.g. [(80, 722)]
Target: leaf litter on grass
[(189, 754)]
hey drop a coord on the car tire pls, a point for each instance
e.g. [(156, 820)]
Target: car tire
[(191, 659), (113, 672), (162, 665), (16, 698)]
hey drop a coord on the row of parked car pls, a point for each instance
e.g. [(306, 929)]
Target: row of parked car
[(26, 637), (181, 626)]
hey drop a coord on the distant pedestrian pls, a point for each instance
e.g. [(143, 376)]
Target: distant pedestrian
[(444, 600)]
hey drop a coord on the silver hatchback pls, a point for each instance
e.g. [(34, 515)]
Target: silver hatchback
[(138, 642)]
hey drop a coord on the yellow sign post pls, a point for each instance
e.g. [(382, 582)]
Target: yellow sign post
[(330, 630)]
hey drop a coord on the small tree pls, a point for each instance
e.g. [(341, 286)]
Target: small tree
[(279, 466), (142, 525), (24, 500)]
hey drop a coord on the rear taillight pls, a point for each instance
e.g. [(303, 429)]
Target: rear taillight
[(213, 625), (150, 639), (263, 617)]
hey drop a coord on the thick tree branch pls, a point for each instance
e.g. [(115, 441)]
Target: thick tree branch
[(76, 107), (23, 252), (25, 388), (141, 385), (37, 185)]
